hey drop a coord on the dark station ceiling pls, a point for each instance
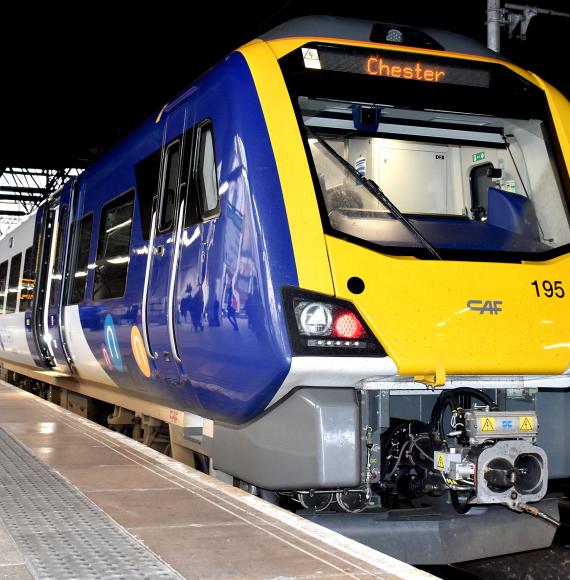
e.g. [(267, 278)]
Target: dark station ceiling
[(74, 83)]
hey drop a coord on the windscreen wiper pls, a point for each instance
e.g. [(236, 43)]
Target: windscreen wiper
[(381, 196), (375, 190)]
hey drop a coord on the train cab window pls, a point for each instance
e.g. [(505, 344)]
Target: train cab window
[(79, 270), (113, 248), (169, 187), (147, 173), (3, 279), (207, 176), (28, 282), (472, 185), (14, 283)]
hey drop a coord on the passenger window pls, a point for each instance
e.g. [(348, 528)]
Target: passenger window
[(169, 186), (147, 172), (113, 248), (28, 282), (79, 270), (3, 277), (13, 283), (207, 175)]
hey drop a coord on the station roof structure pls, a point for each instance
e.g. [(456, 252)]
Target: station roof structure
[(74, 85)]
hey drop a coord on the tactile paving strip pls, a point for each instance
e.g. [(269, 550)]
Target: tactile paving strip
[(60, 532)]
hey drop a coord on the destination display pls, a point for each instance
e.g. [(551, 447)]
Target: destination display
[(396, 66)]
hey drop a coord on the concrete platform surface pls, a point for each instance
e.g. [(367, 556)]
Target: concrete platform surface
[(197, 526)]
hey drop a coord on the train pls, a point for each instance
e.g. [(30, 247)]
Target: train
[(334, 272)]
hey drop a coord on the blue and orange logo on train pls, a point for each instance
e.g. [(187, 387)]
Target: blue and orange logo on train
[(111, 348), (139, 351)]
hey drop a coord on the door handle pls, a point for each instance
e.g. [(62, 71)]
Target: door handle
[(159, 251)]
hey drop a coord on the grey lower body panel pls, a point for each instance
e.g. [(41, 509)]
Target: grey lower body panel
[(310, 440), (425, 536)]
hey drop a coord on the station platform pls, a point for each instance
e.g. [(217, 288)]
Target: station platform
[(80, 501)]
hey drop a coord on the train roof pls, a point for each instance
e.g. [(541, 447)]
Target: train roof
[(371, 31)]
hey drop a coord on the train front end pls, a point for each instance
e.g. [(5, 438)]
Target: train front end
[(426, 193)]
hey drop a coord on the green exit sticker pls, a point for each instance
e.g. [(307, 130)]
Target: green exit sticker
[(478, 156)]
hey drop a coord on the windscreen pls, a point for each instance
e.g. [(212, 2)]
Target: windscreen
[(466, 179)]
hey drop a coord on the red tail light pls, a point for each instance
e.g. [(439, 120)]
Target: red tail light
[(346, 325)]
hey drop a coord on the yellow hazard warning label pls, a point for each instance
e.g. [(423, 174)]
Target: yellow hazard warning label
[(440, 461), (526, 423), (488, 424)]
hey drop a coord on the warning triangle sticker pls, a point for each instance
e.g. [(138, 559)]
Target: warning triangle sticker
[(488, 424), (526, 424), (440, 462)]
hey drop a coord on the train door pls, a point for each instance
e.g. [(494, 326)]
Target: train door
[(51, 225), (199, 285), (164, 249), (58, 274), (34, 316)]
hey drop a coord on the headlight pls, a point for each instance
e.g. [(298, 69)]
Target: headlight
[(314, 318), (324, 325)]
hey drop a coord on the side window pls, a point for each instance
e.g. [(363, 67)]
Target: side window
[(13, 283), (169, 185), (206, 174), (57, 260), (113, 248), (147, 173), (3, 280), (78, 273), (28, 282)]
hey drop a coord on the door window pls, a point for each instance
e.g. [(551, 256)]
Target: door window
[(169, 187), (207, 175), (57, 260)]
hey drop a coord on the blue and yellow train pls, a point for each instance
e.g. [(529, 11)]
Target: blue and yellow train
[(335, 270)]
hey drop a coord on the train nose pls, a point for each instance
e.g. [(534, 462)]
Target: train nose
[(457, 318)]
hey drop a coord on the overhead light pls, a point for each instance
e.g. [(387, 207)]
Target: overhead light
[(394, 36)]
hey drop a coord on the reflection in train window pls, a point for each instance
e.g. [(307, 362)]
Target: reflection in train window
[(28, 281), (3, 278), (113, 248), (13, 283), (78, 274)]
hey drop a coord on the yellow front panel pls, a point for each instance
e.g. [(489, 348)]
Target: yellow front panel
[(418, 310)]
